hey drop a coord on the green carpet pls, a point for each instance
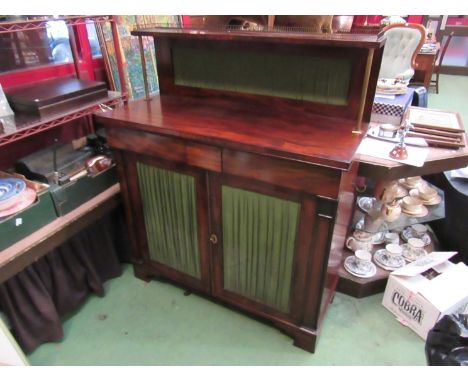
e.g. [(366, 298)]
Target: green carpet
[(140, 323)]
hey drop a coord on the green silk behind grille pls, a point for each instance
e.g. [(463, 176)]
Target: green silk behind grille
[(169, 208), (259, 233), (299, 77)]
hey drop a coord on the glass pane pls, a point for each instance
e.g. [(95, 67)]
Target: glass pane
[(93, 40), (59, 42), (38, 47)]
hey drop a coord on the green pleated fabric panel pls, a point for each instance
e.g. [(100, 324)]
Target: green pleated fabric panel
[(299, 77), (259, 234), (169, 208)]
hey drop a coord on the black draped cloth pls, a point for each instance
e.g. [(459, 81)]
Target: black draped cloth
[(35, 299)]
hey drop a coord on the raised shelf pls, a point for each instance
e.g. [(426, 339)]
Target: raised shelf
[(294, 35), (27, 125)]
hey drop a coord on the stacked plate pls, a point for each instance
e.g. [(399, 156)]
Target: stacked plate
[(391, 86), (14, 196)]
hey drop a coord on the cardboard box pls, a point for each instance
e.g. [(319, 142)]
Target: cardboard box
[(17, 226), (391, 108), (422, 292)]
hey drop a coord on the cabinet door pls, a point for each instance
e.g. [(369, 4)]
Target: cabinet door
[(170, 204), (261, 254)]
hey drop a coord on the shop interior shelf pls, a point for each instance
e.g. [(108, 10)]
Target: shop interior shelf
[(434, 213), (27, 125)]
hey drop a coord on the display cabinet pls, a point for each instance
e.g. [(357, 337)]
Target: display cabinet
[(239, 176)]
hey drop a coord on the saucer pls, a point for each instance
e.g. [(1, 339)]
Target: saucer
[(386, 262), (421, 212), (412, 257), (432, 202), (10, 191), (26, 198), (10, 187), (351, 267), (406, 234)]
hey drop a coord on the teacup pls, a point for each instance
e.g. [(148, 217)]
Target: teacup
[(363, 260), (418, 230), (391, 238), (359, 240), (393, 250), (427, 193), (415, 248), (411, 204), (391, 211)]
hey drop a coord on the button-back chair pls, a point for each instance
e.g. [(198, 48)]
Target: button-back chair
[(401, 48)]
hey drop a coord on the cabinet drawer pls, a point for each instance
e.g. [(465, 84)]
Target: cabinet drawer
[(170, 149), (312, 179)]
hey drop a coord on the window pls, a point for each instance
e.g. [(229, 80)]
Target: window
[(93, 40)]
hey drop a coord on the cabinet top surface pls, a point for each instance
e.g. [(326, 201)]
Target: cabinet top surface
[(244, 124), (268, 35)]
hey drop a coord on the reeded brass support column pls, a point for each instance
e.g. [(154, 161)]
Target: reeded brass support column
[(143, 66), (365, 84)]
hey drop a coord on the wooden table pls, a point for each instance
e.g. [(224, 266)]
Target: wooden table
[(425, 65)]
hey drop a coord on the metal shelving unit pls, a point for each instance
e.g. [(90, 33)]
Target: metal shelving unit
[(24, 25), (27, 126)]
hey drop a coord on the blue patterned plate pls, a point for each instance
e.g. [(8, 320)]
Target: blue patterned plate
[(10, 187)]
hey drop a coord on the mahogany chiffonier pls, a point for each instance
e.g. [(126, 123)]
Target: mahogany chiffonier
[(238, 176)]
